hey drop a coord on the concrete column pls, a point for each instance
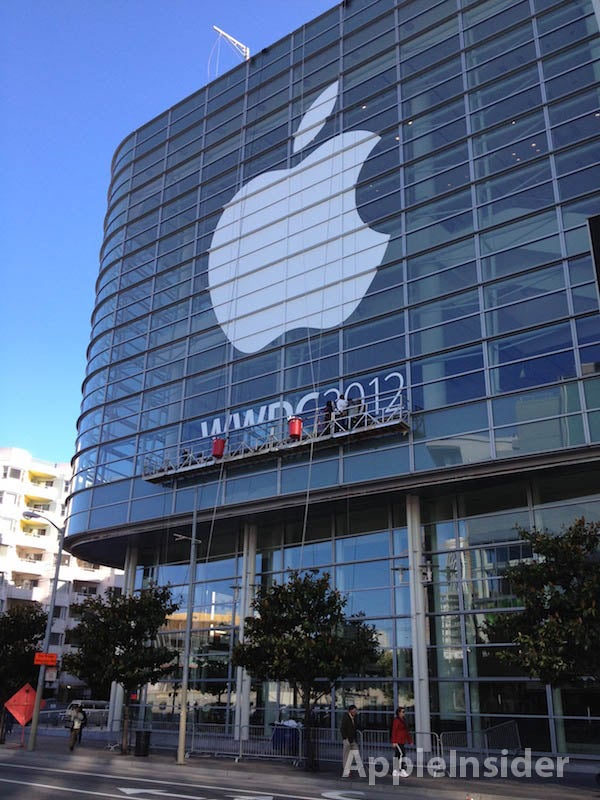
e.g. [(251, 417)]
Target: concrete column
[(115, 708)]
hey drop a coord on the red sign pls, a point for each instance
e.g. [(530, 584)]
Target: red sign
[(21, 704), (49, 659)]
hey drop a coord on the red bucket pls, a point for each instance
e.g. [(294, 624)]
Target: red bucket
[(218, 447), (295, 428)]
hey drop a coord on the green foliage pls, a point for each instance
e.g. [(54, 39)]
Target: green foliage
[(557, 634), (21, 633), (117, 640), (300, 634)]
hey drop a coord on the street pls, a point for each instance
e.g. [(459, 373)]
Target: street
[(22, 782), (19, 781), (52, 771)]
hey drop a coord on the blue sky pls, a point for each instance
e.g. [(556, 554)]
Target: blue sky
[(76, 77)]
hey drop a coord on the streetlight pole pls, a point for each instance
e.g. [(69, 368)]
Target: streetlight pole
[(46, 644), (188, 637)]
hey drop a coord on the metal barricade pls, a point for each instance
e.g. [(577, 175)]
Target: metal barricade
[(504, 736), (277, 741), (327, 745), (454, 740), (213, 739), (250, 741), (376, 744)]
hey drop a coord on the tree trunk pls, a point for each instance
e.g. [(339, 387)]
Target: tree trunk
[(125, 729), (311, 760)]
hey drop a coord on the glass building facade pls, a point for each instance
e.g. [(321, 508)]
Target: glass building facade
[(393, 202)]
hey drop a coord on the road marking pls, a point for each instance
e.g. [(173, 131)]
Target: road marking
[(160, 793), (256, 797), (61, 788), (242, 794), (341, 795)]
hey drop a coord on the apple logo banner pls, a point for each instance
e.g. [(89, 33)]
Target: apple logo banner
[(290, 249)]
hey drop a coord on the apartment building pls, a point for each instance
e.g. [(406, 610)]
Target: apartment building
[(29, 548)]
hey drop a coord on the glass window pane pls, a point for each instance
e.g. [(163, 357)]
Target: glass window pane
[(531, 284), (449, 334), (438, 209), (471, 416), (453, 363), (442, 283), (363, 547), (447, 452), (506, 109), (520, 230), (443, 310), (541, 403), (448, 392), (537, 437), (498, 67), (537, 371), (547, 308), (456, 253), (498, 45), (515, 180), (428, 167), (452, 228)]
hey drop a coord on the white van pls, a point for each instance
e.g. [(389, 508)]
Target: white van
[(96, 711)]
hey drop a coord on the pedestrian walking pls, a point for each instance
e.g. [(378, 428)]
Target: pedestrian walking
[(349, 728), (84, 722), (400, 736), (77, 722), (9, 722)]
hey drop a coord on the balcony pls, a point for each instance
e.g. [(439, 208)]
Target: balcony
[(86, 565), (32, 565), (29, 538), (24, 590), (40, 491), (37, 503), (37, 535), (279, 437)]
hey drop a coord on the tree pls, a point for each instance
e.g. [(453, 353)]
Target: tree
[(557, 634), (117, 641), (22, 630), (300, 634)]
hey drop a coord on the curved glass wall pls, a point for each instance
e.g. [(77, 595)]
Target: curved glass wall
[(391, 203), (480, 309)]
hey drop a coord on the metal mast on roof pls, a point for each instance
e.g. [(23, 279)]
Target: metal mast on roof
[(237, 46)]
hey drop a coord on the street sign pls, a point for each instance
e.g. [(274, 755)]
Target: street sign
[(49, 659), (21, 704)]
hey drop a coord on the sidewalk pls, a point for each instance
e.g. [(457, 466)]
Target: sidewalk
[(268, 777)]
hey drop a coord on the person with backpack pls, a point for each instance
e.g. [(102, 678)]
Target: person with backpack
[(400, 737)]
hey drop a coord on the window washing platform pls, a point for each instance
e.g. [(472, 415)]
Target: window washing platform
[(276, 438)]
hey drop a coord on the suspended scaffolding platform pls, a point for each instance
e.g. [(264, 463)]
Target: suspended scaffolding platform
[(279, 437)]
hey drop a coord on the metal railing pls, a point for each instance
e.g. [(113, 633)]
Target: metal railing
[(376, 744), (277, 741), (264, 438), (504, 736)]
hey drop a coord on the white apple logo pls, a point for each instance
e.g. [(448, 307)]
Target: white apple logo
[(290, 249)]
